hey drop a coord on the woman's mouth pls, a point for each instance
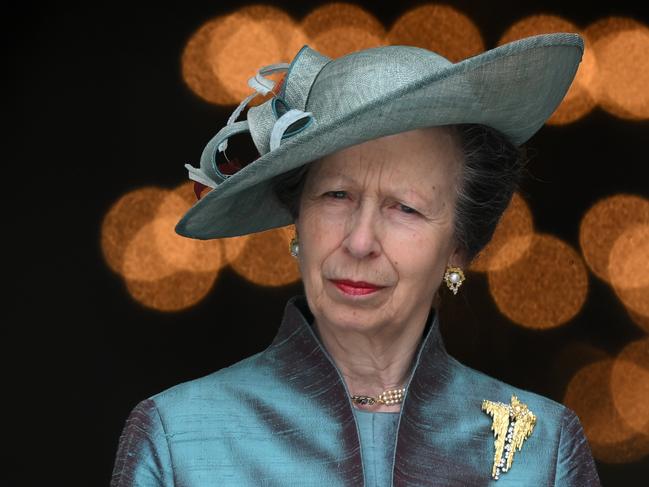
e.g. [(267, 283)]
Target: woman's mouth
[(356, 288)]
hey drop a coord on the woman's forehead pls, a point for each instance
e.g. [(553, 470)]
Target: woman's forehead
[(417, 145), (417, 160)]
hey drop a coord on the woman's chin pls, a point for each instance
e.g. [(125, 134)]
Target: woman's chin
[(349, 311)]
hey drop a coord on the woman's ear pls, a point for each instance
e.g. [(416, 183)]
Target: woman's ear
[(458, 258)]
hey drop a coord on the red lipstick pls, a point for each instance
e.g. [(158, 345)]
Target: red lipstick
[(355, 288)]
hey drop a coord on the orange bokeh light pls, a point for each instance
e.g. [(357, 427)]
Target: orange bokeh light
[(638, 319), (628, 268), (630, 385), (439, 28), (179, 252), (263, 35), (621, 46), (175, 292), (124, 219), (336, 29), (233, 247), (611, 439), (196, 63), (142, 259), (139, 242), (266, 260), (511, 239), (603, 224), (226, 51), (544, 289)]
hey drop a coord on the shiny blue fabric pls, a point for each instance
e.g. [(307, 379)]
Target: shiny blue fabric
[(284, 417), (378, 432)]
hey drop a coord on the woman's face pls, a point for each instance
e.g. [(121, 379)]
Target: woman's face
[(379, 212)]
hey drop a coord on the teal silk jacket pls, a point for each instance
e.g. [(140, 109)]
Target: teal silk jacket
[(284, 417)]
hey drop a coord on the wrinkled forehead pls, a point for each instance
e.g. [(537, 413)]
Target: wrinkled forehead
[(415, 158)]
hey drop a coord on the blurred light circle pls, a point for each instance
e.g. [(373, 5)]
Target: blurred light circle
[(252, 44), (440, 28), (544, 289), (610, 438), (638, 319), (620, 45), (628, 268), (336, 29), (180, 252), (232, 247), (142, 258), (510, 241), (124, 220), (196, 62), (225, 52), (266, 260), (630, 385), (174, 292), (602, 225)]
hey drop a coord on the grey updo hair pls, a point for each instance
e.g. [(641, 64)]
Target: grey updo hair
[(491, 172)]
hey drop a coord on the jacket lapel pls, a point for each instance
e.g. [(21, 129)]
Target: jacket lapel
[(436, 436), (302, 360), (303, 364)]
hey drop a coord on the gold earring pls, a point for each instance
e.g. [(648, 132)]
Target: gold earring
[(454, 278), (294, 246)]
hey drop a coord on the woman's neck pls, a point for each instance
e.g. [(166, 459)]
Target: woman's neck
[(372, 364)]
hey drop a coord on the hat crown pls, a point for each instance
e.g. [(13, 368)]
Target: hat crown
[(367, 77), (328, 88)]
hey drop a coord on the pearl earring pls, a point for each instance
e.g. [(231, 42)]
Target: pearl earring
[(454, 278), (294, 246)]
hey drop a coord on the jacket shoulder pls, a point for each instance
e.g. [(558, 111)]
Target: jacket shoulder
[(216, 386), (482, 386), (558, 428)]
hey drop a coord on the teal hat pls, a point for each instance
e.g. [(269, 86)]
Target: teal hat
[(325, 105)]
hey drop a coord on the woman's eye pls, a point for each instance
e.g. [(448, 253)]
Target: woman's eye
[(407, 209), (336, 194)]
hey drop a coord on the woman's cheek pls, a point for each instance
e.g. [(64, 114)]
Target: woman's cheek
[(333, 213)]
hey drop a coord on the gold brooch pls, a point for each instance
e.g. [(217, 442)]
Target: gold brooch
[(512, 425)]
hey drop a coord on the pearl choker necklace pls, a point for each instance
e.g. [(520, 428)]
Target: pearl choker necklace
[(389, 397)]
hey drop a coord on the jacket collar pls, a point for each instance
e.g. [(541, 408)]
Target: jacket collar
[(301, 358)]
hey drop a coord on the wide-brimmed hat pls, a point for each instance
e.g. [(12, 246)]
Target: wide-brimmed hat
[(323, 105)]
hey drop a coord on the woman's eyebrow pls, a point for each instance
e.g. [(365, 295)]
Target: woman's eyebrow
[(426, 198), (409, 191)]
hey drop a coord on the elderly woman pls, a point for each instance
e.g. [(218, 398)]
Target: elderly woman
[(395, 166)]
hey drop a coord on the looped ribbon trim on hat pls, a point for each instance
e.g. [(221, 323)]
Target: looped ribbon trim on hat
[(261, 85), (208, 174), (196, 174), (284, 122)]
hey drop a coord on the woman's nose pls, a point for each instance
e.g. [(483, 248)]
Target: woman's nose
[(362, 238)]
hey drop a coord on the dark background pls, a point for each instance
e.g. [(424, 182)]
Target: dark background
[(97, 108)]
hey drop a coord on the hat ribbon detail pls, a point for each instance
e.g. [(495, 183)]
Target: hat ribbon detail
[(261, 85), (284, 122)]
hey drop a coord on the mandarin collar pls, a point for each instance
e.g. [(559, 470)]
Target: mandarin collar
[(302, 358)]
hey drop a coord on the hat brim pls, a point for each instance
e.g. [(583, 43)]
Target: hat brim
[(513, 88)]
